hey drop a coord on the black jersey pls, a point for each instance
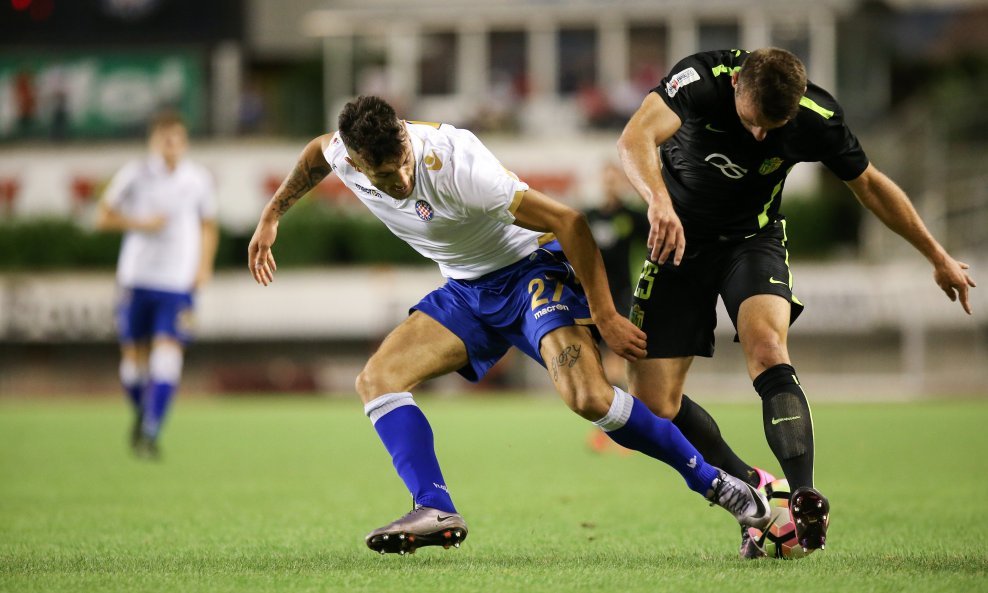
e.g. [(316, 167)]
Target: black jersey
[(724, 183), (615, 231)]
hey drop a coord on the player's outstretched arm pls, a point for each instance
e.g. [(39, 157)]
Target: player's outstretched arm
[(310, 169), (110, 219), (890, 204), (650, 126), (538, 212)]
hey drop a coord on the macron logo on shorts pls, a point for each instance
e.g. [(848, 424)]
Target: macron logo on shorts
[(550, 309)]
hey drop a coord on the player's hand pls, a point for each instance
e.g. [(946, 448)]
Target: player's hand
[(665, 237), (950, 276), (259, 256), (153, 224), (622, 337)]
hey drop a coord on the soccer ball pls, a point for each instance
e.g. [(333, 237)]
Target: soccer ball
[(779, 540)]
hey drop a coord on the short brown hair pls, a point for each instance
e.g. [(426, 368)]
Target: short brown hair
[(775, 80), (165, 119)]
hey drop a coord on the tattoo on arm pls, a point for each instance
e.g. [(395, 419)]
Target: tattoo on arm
[(304, 177), (565, 359)]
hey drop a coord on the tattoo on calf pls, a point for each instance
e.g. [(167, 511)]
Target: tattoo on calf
[(565, 359)]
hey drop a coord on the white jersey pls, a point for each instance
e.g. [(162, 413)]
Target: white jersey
[(167, 259), (461, 210)]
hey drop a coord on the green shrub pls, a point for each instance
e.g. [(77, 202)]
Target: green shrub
[(316, 234), (311, 234)]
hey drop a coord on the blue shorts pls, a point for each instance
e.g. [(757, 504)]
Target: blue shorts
[(514, 306), (143, 314)]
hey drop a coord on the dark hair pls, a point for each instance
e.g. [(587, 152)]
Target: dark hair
[(369, 126), (775, 80), (165, 119)]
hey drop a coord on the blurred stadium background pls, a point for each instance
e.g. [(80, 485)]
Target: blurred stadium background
[(548, 85)]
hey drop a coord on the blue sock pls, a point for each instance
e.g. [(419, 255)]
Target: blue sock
[(632, 425), (157, 398), (133, 382), (407, 436), (135, 391)]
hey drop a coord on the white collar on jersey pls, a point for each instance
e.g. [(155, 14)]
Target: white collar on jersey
[(156, 163)]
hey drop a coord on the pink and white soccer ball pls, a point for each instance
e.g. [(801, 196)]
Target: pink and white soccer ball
[(779, 540)]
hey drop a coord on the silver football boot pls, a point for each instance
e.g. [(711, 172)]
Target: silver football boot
[(423, 526), (749, 549), (749, 506)]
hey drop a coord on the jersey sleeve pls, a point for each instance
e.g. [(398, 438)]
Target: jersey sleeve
[(121, 186), (479, 181), (689, 89), (846, 158)]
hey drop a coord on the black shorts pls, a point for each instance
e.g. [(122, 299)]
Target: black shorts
[(676, 305)]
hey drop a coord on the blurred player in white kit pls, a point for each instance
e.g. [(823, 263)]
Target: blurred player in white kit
[(165, 206)]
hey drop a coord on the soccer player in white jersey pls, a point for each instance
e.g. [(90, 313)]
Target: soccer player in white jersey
[(164, 205), (521, 270)]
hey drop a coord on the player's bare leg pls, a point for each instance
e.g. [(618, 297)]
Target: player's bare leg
[(616, 372), (574, 365), (575, 369), (763, 325), (659, 383), (420, 348)]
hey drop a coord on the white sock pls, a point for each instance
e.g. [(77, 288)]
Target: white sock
[(619, 413), (379, 406)]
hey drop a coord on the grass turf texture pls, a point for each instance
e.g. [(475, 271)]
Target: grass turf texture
[(277, 494)]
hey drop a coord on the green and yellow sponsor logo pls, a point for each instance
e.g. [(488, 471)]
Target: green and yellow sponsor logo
[(644, 289), (769, 165), (724, 69), (637, 316)]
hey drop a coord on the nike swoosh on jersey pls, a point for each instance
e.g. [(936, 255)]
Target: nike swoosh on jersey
[(713, 129), (774, 281)]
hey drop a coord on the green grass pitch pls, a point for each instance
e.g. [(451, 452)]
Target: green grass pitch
[(276, 494)]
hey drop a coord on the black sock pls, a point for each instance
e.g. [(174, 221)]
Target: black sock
[(788, 425), (700, 429)]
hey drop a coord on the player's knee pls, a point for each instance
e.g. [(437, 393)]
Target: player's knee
[(666, 407), (767, 351), (366, 385), (588, 403), (374, 381), (663, 397)]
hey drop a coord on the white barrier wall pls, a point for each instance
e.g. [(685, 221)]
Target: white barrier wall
[(868, 331), (366, 302)]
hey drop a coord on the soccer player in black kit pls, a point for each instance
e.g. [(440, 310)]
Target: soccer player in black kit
[(730, 125)]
